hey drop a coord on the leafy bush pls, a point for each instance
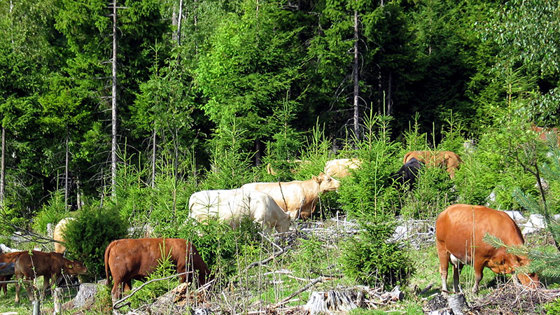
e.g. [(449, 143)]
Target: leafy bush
[(52, 212), (91, 232), (369, 190), (432, 194), (219, 244), (370, 259)]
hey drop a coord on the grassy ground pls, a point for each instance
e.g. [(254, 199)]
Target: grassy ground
[(312, 258)]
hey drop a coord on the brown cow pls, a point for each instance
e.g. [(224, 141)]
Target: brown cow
[(7, 258), (459, 237), (129, 259), (30, 265), (341, 167), (298, 198), (447, 159)]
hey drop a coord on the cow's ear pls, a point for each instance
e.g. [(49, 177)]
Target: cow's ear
[(315, 178)]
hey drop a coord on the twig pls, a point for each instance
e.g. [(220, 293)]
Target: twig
[(264, 261), (309, 285), (116, 305)]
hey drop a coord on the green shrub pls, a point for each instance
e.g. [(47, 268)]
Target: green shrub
[(371, 260), (219, 244), (433, 193), (52, 212), (91, 232), (552, 307)]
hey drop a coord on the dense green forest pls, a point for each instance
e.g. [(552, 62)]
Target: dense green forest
[(130, 113), (202, 83)]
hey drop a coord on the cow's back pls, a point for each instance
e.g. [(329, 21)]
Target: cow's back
[(341, 167), (462, 228), (227, 205), (290, 196), (267, 212)]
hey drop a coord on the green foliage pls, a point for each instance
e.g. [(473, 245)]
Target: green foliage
[(371, 259), (219, 244), (311, 258), (433, 193), (52, 212), (553, 307), (155, 289), (369, 190), (88, 236)]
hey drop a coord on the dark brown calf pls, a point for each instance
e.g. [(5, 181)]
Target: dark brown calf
[(30, 265), (129, 259)]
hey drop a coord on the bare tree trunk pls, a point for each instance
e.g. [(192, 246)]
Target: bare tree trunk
[(3, 167), (389, 98), (154, 158), (114, 107), (180, 15), (175, 171), (356, 78), (66, 174), (174, 23)]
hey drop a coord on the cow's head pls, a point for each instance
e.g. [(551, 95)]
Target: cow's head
[(75, 267), (326, 183)]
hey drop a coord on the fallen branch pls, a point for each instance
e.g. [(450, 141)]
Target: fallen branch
[(116, 305), (309, 285), (264, 261)]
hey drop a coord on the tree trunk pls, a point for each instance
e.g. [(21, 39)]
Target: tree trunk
[(154, 159), (114, 107), (3, 167), (356, 79), (66, 174), (179, 16), (389, 98)]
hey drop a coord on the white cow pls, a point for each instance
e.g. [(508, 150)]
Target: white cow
[(232, 205)]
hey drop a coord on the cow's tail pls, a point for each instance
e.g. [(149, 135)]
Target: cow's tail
[(106, 258)]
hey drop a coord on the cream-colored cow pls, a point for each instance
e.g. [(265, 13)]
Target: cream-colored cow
[(232, 205), (298, 198)]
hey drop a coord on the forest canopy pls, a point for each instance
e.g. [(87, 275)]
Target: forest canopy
[(207, 91)]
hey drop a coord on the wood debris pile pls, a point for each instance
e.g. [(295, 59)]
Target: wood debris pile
[(516, 299)]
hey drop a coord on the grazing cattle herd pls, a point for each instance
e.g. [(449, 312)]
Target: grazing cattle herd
[(460, 230)]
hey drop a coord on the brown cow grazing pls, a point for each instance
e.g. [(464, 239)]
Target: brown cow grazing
[(9, 259), (459, 237), (298, 198), (447, 159), (30, 265), (341, 167), (129, 259)]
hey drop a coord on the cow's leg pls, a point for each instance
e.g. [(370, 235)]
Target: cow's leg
[(478, 268), (127, 285), (115, 292), (443, 256), (457, 266), (18, 286), (46, 284)]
